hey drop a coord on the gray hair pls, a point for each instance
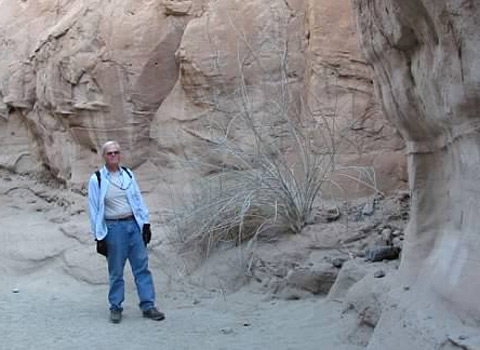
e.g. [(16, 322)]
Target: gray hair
[(108, 144)]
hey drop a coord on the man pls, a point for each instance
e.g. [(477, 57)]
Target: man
[(120, 225)]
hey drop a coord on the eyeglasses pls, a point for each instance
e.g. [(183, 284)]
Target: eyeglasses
[(112, 153)]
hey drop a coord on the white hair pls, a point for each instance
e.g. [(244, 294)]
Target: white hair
[(108, 144)]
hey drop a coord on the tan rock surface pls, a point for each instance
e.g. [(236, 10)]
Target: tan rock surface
[(166, 77), (79, 73), (158, 75), (425, 56), (248, 42), (51, 273)]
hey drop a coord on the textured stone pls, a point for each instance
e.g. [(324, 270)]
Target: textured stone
[(177, 8), (379, 253), (158, 75), (317, 280), (350, 273), (425, 57), (85, 79)]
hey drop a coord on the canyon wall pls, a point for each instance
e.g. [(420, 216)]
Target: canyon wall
[(75, 74), (164, 77), (426, 60)]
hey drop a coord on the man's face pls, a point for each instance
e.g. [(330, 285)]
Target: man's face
[(112, 156)]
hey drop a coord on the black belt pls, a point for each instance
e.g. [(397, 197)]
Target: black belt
[(126, 218)]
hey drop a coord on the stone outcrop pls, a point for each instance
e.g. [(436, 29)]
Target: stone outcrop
[(158, 75), (425, 56), (308, 45), (75, 74), (167, 77)]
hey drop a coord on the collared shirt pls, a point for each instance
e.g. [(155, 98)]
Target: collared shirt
[(96, 201)]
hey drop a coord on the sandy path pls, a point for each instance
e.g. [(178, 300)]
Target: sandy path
[(42, 244), (52, 312)]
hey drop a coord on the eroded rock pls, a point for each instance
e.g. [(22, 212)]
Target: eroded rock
[(163, 77), (425, 57)]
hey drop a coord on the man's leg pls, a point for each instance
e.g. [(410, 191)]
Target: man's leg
[(117, 241), (138, 258)]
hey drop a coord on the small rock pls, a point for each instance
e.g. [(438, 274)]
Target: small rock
[(406, 288), (387, 235), (226, 330), (404, 195), (292, 293), (174, 8), (463, 341), (15, 290), (368, 209), (350, 273), (360, 254), (338, 262), (369, 316), (281, 271), (396, 233), (380, 241), (316, 280), (397, 242), (379, 274), (328, 215), (196, 301), (379, 253)]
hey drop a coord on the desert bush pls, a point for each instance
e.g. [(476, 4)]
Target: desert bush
[(267, 182), (275, 159)]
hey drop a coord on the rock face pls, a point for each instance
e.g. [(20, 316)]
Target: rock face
[(75, 74), (158, 75), (425, 56)]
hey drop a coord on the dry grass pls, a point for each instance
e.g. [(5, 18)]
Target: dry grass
[(269, 177), (268, 185)]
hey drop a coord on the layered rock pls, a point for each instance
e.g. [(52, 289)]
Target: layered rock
[(425, 56), (78, 74), (307, 46), (158, 75)]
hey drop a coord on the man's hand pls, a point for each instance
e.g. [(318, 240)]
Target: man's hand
[(146, 234), (102, 247)]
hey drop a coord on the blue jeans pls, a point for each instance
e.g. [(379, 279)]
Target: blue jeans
[(124, 241)]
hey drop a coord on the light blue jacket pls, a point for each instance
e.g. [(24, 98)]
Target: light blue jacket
[(96, 201)]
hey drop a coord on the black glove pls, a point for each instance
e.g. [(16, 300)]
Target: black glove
[(102, 247), (146, 234)]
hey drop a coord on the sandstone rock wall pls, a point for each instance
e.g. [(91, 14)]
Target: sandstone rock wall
[(310, 46), (425, 56), (158, 74), (79, 73)]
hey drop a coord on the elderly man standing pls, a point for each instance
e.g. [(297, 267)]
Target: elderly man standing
[(120, 225)]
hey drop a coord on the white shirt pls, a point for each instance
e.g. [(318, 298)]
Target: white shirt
[(116, 202)]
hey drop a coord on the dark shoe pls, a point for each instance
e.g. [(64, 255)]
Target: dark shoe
[(115, 316), (154, 314)]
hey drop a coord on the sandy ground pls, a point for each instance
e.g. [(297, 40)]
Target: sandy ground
[(53, 293), (51, 312)]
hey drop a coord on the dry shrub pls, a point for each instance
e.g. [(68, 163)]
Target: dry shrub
[(268, 185), (270, 176)]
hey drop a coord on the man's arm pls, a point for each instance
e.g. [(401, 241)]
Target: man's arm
[(144, 213), (93, 195)]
